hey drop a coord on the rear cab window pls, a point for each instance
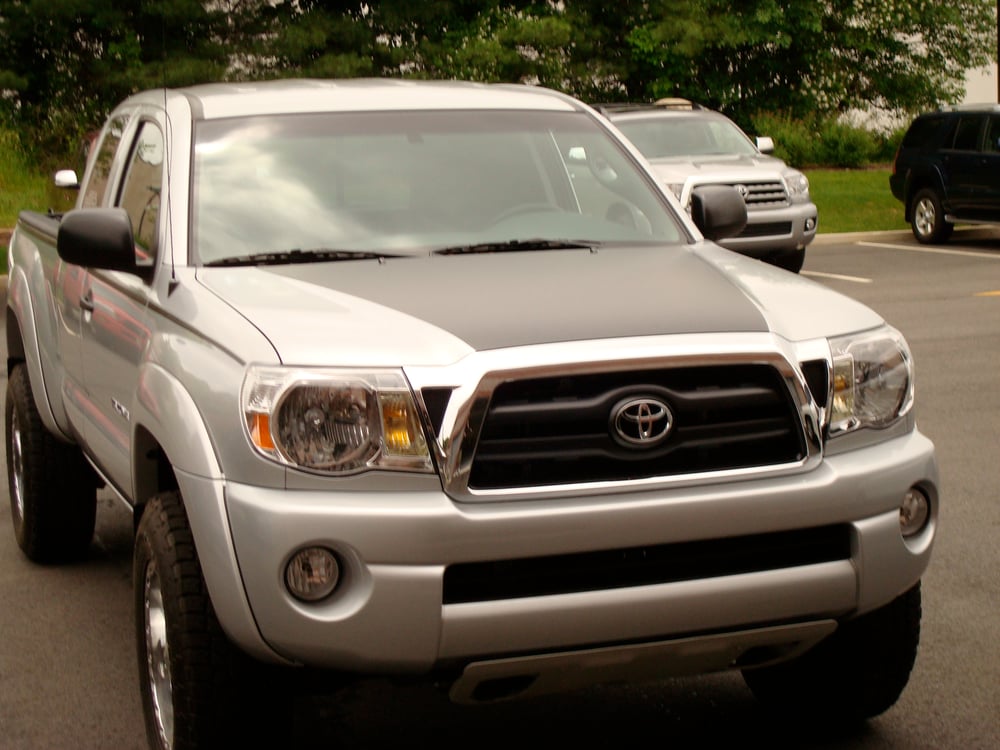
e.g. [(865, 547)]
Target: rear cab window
[(96, 183)]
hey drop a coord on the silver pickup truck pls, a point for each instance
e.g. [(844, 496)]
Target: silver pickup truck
[(435, 381)]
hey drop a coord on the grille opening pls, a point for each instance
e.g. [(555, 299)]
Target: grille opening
[(643, 566), (771, 229), (500, 688), (817, 376), (436, 402), (557, 430)]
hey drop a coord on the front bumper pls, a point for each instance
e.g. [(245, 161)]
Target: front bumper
[(388, 616), (775, 229)]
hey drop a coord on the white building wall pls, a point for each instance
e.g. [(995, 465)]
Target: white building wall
[(981, 86)]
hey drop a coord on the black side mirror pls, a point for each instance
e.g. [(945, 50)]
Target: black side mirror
[(718, 211), (99, 238)]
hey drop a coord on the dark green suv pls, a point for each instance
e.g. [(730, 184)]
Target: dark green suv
[(947, 170)]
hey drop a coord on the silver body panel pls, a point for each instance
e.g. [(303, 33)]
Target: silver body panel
[(398, 546)]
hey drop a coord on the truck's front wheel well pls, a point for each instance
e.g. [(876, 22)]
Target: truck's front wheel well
[(15, 344), (154, 474)]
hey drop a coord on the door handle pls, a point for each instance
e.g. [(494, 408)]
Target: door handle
[(87, 300)]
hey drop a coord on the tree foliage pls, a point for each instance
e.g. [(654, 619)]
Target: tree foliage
[(67, 61), (803, 57), (64, 61)]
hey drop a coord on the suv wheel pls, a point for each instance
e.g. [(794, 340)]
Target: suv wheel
[(790, 260), (927, 218)]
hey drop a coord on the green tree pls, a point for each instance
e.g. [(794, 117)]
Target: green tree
[(515, 41), (64, 63), (803, 57)]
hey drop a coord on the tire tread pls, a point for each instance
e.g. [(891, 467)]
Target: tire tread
[(59, 486)]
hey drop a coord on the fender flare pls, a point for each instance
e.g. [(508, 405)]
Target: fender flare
[(21, 328), (166, 412), (166, 417)]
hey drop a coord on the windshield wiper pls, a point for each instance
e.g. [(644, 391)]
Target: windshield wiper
[(514, 246), (274, 258)]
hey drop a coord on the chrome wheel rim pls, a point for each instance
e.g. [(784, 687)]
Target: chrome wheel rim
[(924, 216), (158, 657), (17, 464)]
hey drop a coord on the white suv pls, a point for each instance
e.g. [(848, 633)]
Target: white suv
[(689, 146)]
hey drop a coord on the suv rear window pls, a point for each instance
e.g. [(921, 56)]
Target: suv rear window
[(923, 132), (967, 133)]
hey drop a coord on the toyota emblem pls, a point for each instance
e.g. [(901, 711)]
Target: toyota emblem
[(743, 190), (641, 422)]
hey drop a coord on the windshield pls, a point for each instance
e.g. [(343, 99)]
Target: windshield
[(415, 182), (674, 137)]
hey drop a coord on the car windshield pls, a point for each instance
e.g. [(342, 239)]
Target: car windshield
[(678, 137), (403, 183)]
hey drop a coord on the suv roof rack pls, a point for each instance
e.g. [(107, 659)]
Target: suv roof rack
[(979, 107), (669, 102)]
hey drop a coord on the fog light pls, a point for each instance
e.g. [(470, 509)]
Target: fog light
[(810, 224), (913, 512), (312, 574)]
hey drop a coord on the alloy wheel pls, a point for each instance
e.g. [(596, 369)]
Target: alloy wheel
[(158, 657), (924, 217)]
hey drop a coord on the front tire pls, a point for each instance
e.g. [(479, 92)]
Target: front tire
[(857, 673), (790, 260), (927, 218), (53, 490), (198, 690)]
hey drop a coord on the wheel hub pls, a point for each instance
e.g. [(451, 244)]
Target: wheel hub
[(158, 657), (924, 217)]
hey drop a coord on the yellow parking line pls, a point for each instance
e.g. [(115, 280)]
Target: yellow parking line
[(994, 293)]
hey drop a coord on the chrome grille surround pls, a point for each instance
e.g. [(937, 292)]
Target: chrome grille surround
[(474, 380)]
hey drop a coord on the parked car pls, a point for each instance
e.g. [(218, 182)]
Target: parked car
[(947, 170), (689, 146)]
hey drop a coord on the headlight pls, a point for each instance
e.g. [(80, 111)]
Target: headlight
[(872, 380), (334, 421), (798, 184)]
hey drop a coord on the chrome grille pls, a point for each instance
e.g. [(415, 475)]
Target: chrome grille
[(557, 430), (762, 195)]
